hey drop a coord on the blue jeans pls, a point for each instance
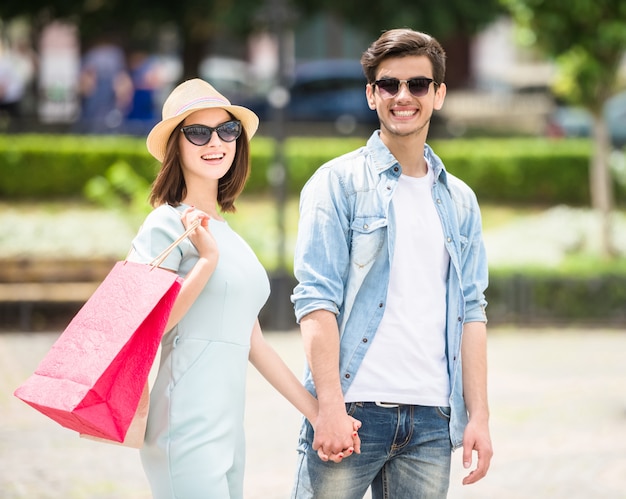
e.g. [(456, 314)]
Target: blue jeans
[(405, 452)]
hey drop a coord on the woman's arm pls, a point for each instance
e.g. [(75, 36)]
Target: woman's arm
[(272, 367), (201, 272)]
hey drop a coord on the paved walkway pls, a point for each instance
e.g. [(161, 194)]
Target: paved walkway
[(558, 402)]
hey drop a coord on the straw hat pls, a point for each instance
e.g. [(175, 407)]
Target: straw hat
[(186, 98)]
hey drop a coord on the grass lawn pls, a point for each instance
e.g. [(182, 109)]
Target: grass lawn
[(78, 229)]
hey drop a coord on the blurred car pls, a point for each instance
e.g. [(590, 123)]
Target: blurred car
[(231, 77), (330, 90), (570, 121)]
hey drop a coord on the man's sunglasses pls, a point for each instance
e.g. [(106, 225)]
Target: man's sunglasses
[(389, 87), (200, 135)]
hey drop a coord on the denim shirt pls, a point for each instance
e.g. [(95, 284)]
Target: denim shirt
[(346, 244)]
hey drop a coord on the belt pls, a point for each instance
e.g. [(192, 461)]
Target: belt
[(387, 405)]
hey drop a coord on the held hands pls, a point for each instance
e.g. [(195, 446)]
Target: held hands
[(336, 438)]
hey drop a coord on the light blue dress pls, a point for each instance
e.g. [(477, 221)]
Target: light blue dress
[(194, 446)]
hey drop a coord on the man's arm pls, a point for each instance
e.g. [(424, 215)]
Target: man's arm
[(476, 436), (334, 429)]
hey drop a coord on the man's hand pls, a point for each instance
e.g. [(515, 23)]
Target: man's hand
[(336, 438), (476, 438), (335, 433)]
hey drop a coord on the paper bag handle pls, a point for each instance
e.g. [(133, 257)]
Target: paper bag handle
[(165, 253)]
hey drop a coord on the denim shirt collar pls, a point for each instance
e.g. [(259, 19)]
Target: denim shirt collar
[(383, 159)]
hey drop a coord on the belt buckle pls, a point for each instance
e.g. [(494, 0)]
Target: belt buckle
[(387, 405)]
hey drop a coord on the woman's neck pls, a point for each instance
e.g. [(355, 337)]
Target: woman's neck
[(208, 207)]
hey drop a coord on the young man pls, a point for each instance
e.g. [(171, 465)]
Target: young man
[(392, 271)]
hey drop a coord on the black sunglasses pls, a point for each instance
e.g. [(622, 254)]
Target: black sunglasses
[(200, 135), (391, 86)]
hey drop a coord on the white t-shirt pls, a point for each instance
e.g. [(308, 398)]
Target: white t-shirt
[(406, 362)]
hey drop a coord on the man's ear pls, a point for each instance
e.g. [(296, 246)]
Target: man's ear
[(440, 96), (369, 93)]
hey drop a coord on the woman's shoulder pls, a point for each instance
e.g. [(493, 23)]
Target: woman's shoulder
[(163, 215), (160, 228)]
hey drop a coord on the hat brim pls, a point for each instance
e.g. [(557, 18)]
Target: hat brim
[(159, 135)]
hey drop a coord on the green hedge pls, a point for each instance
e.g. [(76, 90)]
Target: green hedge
[(514, 299), (48, 166), (518, 170), (551, 299), (521, 170)]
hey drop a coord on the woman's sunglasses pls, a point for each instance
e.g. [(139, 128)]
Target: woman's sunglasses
[(200, 135), (389, 87)]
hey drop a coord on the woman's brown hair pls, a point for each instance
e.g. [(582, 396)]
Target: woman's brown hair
[(169, 186)]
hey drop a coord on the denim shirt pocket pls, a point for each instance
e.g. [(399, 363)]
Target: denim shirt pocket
[(368, 237)]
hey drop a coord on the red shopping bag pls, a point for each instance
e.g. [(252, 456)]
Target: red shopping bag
[(92, 379)]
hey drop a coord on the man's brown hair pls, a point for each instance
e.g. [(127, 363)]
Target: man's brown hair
[(401, 43)]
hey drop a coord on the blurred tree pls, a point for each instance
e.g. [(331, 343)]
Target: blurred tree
[(452, 22), (441, 19), (587, 39), (200, 21)]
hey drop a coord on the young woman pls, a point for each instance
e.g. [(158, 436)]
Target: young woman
[(194, 443)]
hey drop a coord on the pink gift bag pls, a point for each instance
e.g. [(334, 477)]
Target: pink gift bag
[(93, 377)]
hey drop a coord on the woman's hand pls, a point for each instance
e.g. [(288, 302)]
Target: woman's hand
[(201, 238), (354, 448), (201, 272)]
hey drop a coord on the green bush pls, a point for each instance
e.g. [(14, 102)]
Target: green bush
[(506, 171), (49, 166), (521, 170), (553, 298), (518, 170)]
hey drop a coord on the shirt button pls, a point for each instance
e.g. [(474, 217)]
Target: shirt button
[(380, 305), (395, 169), (364, 340), (459, 318), (438, 201), (365, 226), (449, 239), (347, 375)]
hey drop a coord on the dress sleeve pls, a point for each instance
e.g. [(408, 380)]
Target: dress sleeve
[(160, 229)]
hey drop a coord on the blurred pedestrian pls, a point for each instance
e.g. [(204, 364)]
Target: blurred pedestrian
[(105, 87), (194, 443), (391, 271), (16, 74), (146, 79)]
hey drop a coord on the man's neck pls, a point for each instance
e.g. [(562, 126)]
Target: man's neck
[(409, 151)]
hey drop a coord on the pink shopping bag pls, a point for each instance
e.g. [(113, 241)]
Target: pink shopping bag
[(93, 377)]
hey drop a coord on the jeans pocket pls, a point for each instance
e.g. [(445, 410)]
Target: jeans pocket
[(444, 412), (305, 438), (351, 408)]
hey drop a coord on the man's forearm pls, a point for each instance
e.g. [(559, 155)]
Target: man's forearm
[(321, 344), (474, 355)]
